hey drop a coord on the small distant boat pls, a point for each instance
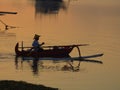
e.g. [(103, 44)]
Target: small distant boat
[(48, 51), (4, 12)]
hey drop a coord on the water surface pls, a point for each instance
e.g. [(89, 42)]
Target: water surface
[(67, 22)]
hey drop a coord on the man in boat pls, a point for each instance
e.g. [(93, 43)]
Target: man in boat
[(36, 45)]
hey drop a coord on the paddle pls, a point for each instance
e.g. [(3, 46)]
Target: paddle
[(74, 45)]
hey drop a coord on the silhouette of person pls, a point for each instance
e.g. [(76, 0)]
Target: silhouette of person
[(36, 45)]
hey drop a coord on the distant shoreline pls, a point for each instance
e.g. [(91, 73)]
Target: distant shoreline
[(21, 85)]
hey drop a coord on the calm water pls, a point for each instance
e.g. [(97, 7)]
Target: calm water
[(69, 22)]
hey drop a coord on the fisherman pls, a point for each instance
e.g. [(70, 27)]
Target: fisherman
[(36, 45)]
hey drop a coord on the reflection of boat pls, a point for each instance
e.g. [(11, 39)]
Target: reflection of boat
[(49, 6), (53, 64), (49, 51), (6, 34)]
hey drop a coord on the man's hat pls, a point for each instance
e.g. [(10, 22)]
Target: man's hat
[(36, 36)]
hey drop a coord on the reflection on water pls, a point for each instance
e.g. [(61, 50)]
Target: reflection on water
[(7, 39), (7, 34), (49, 6), (92, 22), (38, 65)]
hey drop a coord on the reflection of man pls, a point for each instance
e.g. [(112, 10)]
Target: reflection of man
[(35, 66), (36, 45)]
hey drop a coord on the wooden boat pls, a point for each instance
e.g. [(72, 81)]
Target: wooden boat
[(48, 51)]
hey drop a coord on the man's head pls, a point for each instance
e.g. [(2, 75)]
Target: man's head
[(36, 37)]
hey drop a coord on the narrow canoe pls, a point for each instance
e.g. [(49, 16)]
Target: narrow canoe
[(53, 51)]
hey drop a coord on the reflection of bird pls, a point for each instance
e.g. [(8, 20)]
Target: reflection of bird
[(4, 13)]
